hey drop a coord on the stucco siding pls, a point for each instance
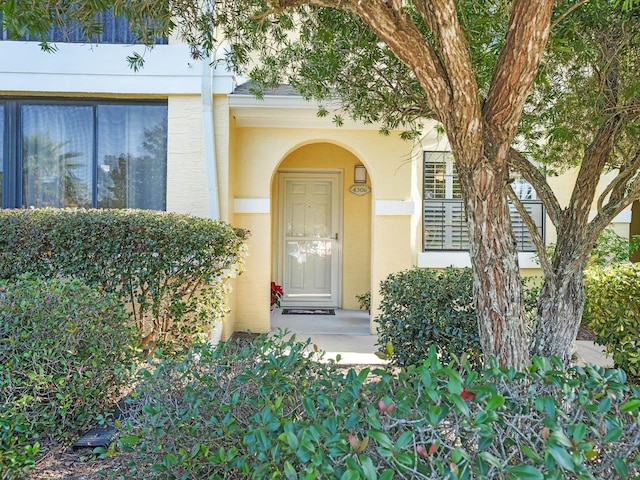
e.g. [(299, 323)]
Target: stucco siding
[(186, 169)]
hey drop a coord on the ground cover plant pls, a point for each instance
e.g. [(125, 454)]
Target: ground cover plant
[(169, 269), (66, 353), (270, 409)]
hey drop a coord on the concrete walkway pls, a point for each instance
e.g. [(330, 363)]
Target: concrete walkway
[(348, 334)]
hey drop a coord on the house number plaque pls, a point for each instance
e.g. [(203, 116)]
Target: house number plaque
[(359, 189)]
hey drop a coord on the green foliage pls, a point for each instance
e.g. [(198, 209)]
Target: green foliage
[(612, 248), (168, 268), (66, 352), (588, 77), (18, 445), (270, 409), (421, 308), (364, 300), (241, 410), (612, 310)]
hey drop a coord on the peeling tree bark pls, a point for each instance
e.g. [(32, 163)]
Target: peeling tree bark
[(561, 300), (497, 285), (480, 138), (558, 317)]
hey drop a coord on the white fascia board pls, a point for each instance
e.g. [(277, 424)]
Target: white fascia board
[(103, 68), (462, 259), (286, 111), (623, 217)]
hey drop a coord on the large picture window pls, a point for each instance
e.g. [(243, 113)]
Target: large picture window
[(445, 227), (86, 154)]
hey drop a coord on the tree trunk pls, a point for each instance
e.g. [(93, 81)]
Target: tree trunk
[(560, 306), (497, 283)]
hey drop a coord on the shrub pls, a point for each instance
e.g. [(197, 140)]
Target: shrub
[(240, 410), (270, 410), (612, 310), (169, 268), (66, 351), (364, 301), (18, 445), (421, 308)]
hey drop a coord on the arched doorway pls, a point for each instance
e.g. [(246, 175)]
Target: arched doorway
[(321, 229)]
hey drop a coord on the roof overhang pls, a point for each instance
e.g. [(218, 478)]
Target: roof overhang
[(287, 111)]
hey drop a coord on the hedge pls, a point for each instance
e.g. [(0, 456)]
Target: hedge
[(168, 268)]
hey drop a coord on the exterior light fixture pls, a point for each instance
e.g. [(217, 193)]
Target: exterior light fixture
[(359, 174)]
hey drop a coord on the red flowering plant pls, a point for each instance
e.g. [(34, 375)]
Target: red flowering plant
[(276, 295)]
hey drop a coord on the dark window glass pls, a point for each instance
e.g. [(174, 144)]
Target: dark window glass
[(115, 29), (83, 154)]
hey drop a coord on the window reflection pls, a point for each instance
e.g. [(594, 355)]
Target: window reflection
[(57, 147), (132, 155), (304, 251), (83, 154)]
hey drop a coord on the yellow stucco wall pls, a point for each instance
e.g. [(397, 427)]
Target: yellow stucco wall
[(186, 169), (248, 159), (257, 154), (562, 186), (187, 186)]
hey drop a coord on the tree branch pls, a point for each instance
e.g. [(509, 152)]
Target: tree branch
[(595, 158), (531, 174), (394, 26), (567, 12), (517, 67), (605, 216), (537, 239), (453, 52), (618, 186)]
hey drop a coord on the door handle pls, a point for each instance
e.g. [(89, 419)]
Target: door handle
[(336, 237)]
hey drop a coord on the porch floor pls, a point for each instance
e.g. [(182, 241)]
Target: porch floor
[(347, 333)]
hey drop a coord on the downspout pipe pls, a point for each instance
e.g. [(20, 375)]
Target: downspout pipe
[(208, 134)]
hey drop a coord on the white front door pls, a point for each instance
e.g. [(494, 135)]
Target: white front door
[(310, 237)]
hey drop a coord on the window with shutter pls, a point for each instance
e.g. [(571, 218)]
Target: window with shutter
[(444, 220)]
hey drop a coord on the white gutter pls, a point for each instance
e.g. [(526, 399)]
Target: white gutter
[(208, 130)]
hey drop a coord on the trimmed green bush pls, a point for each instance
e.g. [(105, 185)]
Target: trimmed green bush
[(421, 308), (169, 268), (66, 352), (612, 310), (269, 409)]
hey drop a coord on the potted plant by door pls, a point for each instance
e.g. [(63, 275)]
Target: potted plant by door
[(276, 295)]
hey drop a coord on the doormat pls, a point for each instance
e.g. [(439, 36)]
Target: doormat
[(308, 311)]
